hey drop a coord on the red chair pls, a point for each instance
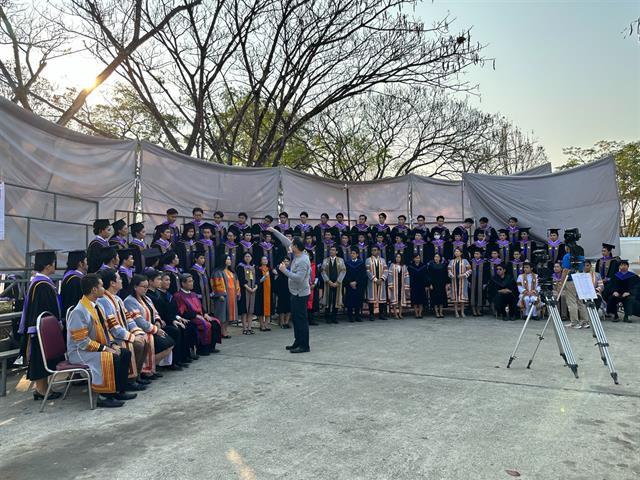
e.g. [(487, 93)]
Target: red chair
[(53, 346)]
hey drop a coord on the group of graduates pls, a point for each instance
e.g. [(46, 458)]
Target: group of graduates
[(129, 307)]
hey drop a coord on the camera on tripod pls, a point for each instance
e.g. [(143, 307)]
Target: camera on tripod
[(571, 237), (541, 261)]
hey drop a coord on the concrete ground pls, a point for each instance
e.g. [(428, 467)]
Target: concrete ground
[(401, 399)]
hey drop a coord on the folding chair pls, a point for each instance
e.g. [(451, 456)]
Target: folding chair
[(53, 346)]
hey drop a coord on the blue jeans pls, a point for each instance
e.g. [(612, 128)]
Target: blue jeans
[(300, 323)]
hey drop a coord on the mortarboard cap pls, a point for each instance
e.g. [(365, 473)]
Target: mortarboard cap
[(473, 249), (207, 225), (553, 230), (136, 227), (150, 253), (44, 257), (608, 246), (118, 225), (525, 229)]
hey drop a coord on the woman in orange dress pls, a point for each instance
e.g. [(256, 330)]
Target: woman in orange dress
[(263, 296)]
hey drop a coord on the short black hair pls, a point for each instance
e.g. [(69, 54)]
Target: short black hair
[(484, 220), (108, 275), (513, 218), (243, 214), (218, 213), (298, 243), (439, 217), (172, 211), (153, 274), (303, 213), (324, 215), (421, 217), (89, 282), (138, 279), (197, 209), (283, 214), (402, 216), (383, 215), (624, 262)]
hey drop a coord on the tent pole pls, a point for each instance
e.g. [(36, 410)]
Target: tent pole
[(137, 185), (410, 200), (346, 187)]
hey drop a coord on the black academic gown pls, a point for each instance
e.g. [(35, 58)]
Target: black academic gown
[(607, 267), (70, 291), (478, 282), (438, 278), (443, 231), (94, 254), (499, 300), (418, 281), (355, 272), (490, 234)]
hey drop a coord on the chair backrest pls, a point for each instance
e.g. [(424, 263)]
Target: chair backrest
[(52, 342)]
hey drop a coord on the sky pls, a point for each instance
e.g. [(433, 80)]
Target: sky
[(564, 69)]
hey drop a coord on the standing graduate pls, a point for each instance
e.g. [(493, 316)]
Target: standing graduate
[(417, 246), (438, 277), (207, 245), (421, 227), (120, 234), (455, 242), (110, 258), (515, 266), (437, 244), (283, 295), (503, 294), (201, 283), (380, 228), (526, 245), (303, 228), (623, 286), (554, 246), (266, 248), (320, 230), (172, 216), (466, 235), (401, 228), (418, 281), (186, 246), (398, 247), (240, 227), (459, 272), (481, 243), (231, 248), (333, 273), (344, 247), (70, 287), (361, 228), (138, 244), (219, 230), (102, 231), (607, 265), (169, 264), (363, 246), (382, 246), (355, 283), (260, 229), (340, 227), (164, 235), (264, 294), (505, 247), (226, 290), (41, 296), (198, 219), (284, 224), (247, 245), (398, 286), (246, 272), (126, 270), (323, 249), (514, 230), (479, 281), (440, 228), (494, 261), (490, 234), (377, 273), (309, 243)]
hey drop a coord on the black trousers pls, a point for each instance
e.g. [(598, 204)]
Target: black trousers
[(502, 300), (381, 306), (121, 368), (612, 304), (180, 350), (300, 322), (331, 311), (353, 313)]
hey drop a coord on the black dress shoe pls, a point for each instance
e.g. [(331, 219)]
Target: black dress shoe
[(52, 395), (158, 375), (291, 347), (183, 365), (175, 368), (383, 318), (135, 387), (299, 350), (358, 319), (204, 354), (371, 318), (125, 396), (148, 378), (143, 381), (195, 356), (108, 402)]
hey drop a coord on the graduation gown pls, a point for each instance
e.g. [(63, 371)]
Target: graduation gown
[(380, 228), (41, 297), (467, 236), (320, 229), (449, 248), (118, 242), (401, 230), (239, 228), (443, 231), (143, 317), (264, 299), (246, 278), (384, 251), (418, 282), (424, 230), (527, 248), (259, 229), (490, 233), (322, 250), (163, 245), (226, 290), (207, 245), (500, 300), (190, 308), (266, 249), (459, 272), (185, 250), (505, 249), (555, 250), (138, 246), (126, 274), (516, 268), (94, 253), (622, 283), (354, 272), (70, 290), (244, 247), (361, 228), (202, 287), (607, 267), (174, 278), (339, 273), (493, 265), (175, 231), (438, 278), (402, 248), (364, 251), (282, 293), (302, 229), (398, 285), (419, 248), (344, 251), (376, 269), (437, 246), (478, 283), (219, 233), (514, 234)]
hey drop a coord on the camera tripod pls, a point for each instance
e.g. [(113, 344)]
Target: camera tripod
[(566, 352), (601, 338)]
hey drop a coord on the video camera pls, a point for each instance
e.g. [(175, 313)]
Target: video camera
[(571, 237), (540, 259)]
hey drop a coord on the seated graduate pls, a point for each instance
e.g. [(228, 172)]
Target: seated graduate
[(503, 293), (344, 247), (303, 227), (514, 230), (123, 329), (164, 235), (529, 291), (172, 216), (554, 246), (231, 248), (120, 234), (89, 343), (494, 261), (340, 227), (201, 283), (355, 284), (198, 219), (259, 229), (421, 226), (417, 246), (398, 247), (526, 245), (398, 286), (183, 333), (456, 242), (240, 226), (380, 227), (504, 245), (321, 229), (515, 266), (377, 273), (266, 248), (490, 234), (284, 224), (623, 288), (479, 280), (186, 246), (607, 265), (151, 258), (419, 281), (190, 308), (440, 228), (138, 244), (169, 264), (126, 270), (333, 271), (466, 235), (323, 248), (141, 310), (226, 291), (363, 246), (110, 258), (381, 243), (362, 227), (219, 230), (481, 242), (102, 231), (206, 244), (71, 287), (401, 228)]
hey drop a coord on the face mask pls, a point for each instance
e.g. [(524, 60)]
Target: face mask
[(436, 236)]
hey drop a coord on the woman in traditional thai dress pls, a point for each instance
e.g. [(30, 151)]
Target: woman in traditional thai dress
[(459, 271)]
